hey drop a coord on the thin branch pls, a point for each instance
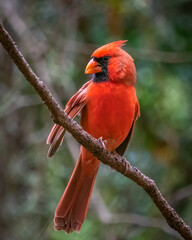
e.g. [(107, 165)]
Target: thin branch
[(91, 144)]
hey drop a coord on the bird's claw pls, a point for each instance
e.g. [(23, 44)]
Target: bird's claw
[(103, 142)]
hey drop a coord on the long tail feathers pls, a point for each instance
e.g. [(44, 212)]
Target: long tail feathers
[(72, 208)]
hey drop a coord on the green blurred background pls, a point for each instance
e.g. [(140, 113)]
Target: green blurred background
[(57, 39)]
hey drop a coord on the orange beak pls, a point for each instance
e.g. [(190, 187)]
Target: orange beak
[(93, 67)]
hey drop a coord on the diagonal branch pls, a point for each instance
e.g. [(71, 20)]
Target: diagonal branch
[(94, 146)]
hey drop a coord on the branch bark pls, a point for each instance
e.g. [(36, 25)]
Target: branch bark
[(93, 145)]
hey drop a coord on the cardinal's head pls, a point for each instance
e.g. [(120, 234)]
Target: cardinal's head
[(111, 63)]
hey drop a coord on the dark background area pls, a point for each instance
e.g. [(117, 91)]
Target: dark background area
[(57, 39)]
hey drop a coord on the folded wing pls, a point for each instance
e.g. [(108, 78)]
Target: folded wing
[(73, 107), (121, 149)]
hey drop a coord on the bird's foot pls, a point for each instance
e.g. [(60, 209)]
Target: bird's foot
[(103, 142)]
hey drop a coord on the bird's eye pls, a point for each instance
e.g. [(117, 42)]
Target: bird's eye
[(105, 58)]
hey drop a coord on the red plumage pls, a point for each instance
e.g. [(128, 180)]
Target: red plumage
[(109, 109)]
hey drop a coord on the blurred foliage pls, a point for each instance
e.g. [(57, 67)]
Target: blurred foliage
[(57, 38)]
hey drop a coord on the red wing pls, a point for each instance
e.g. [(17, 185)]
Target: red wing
[(73, 107), (121, 149)]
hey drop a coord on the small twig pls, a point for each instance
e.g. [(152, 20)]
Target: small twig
[(93, 145)]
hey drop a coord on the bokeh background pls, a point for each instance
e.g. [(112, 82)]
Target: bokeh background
[(57, 38)]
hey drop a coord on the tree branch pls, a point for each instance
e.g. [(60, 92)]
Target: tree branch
[(94, 146)]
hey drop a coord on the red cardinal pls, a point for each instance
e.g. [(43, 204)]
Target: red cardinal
[(109, 109)]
